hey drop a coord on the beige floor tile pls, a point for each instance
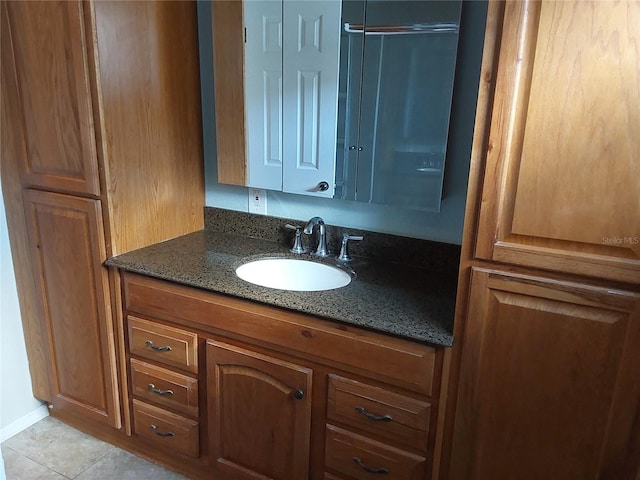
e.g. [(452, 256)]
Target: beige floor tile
[(59, 447), (121, 465), (19, 467)]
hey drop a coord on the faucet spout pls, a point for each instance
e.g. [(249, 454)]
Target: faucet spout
[(321, 250), (312, 223)]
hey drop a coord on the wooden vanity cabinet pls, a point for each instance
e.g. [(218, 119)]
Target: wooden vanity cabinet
[(545, 379), (101, 154), (287, 395)]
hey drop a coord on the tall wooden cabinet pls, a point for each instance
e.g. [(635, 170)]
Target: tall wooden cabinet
[(561, 180), (550, 379), (545, 375), (101, 154), (52, 75), (66, 237)]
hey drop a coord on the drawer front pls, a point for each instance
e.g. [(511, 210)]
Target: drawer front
[(362, 458), (167, 345), (166, 429), (390, 360), (390, 415), (164, 387)]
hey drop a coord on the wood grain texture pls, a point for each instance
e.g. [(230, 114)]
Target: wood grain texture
[(561, 189), (353, 403), (486, 89), (395, 361), (480, 142), (147, 83), (173, 434), (344, 447), (163, 344), (12, 149), (228, 78), (548, 384), (582, 126), (120, 329), (53, 90), (66, 240), (258, 428), (165, 388)]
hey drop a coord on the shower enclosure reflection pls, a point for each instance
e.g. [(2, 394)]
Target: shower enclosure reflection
[(397, 64)]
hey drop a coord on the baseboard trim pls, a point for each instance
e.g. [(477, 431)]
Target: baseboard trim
[(24, 422)]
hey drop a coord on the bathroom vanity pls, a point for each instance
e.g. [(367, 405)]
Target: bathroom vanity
[(241, 379), (515, 356)]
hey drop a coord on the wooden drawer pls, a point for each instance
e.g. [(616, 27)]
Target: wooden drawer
[(166, 429), (362, 458), (390, 415), (390, 360), (164, 387), (167, 345)]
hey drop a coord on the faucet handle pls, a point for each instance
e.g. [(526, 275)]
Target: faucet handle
[(344, 249), (297, 242)]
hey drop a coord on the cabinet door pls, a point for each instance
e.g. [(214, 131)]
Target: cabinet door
[(67, 247), (263, 92), (48, 40), (289, 91), (310, 84), (259, 414), (561, 189), (228, 72), (549, 381)]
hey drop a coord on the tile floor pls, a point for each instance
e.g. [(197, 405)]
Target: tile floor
[(52, 450)]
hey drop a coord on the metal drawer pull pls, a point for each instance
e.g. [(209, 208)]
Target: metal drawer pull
[(150, 344), (157, 391), (371, 416), (161, 434), (383, 471)]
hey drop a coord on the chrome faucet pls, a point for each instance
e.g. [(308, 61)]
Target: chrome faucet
[(344, 250), (321, 250)]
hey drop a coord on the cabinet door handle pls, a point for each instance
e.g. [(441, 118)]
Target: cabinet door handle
[(150, 344), (157, 391), (320, 187), (371, 416), (382, 471), (323, 186), (299, 394), (161, 434)]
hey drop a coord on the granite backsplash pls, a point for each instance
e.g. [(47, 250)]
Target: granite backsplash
[(435, 256)]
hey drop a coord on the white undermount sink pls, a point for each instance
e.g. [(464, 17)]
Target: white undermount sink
[(293, 274)]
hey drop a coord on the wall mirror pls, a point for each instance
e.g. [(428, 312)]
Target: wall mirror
[(348, 100)]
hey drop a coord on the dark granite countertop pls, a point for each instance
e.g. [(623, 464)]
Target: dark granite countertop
[(408, 302)]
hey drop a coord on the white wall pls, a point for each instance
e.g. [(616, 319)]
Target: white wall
[(18, 408)]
